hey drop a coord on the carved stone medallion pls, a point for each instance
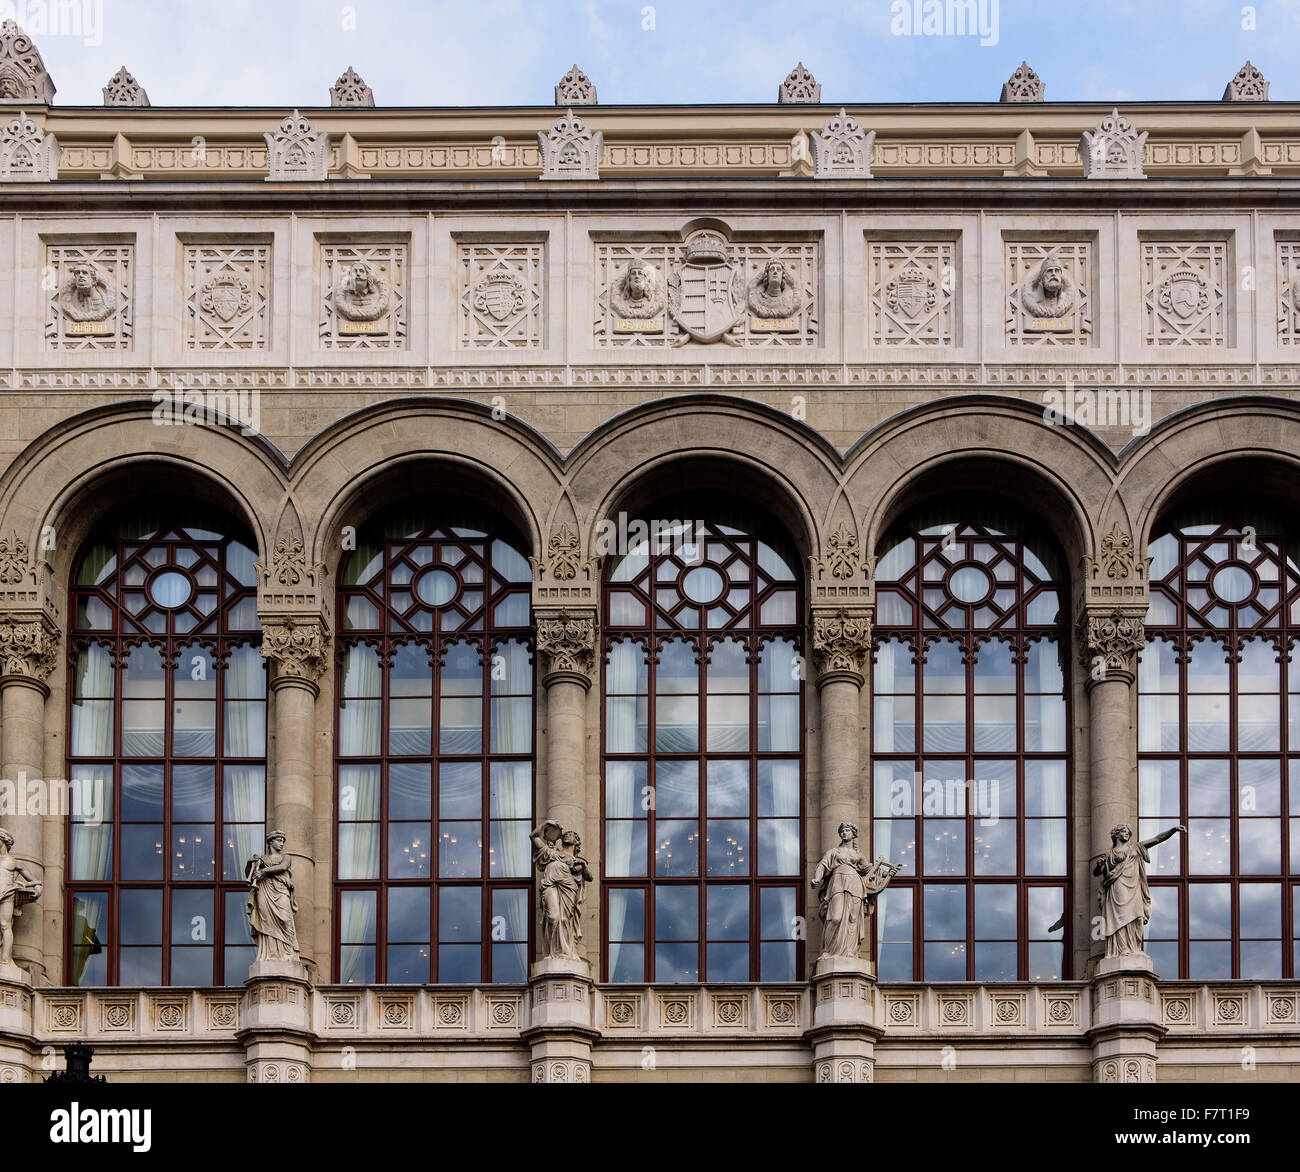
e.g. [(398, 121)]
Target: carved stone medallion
[(88, 294), (773, 292), (637, 292), (1050, 292), (500, 294), (362, 295)]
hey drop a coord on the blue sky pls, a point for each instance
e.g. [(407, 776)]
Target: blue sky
[(511, 52)]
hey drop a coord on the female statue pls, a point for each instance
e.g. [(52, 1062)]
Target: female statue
[(849, 885), (565, 874), (271, 903), (1125, 898)]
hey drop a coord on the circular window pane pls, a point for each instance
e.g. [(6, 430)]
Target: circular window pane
[(170, 589), (703, 584), (969, 584), (1233, 583), (436, 588)]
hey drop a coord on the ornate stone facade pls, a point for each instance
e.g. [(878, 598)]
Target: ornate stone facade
[(1024, 85), (697, 316), (123, 90), (799, 87)]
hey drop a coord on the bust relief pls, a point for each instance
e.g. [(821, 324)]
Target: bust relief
[(88, 294), (362, 295), (772, 293), (1049, 292), (637, 292)]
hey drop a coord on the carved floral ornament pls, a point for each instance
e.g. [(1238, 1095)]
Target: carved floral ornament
[(575, 89), (1113, 150), (123, 90), (1247, 86), (841, 640), (570, 149), (13, 559), (842, 149), (1023, 86), (562, 552), (26, 152), (567, 641), (29, 646), (1115, 638), (351, 90), (297, 150), (799, 87), (23, 77), (298, 647)]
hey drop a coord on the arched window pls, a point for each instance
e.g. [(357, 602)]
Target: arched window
[(971, 766), (166, 750), (434, 794), (1219, 742), (703, 752)]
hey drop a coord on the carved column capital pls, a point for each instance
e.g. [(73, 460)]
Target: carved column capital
[(298, 646), (29, 645), (1109, 644), (566, 644), (841, 643)]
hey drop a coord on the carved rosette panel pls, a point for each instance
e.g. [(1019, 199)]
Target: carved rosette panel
[(90, 304), (911, 288), (300, 648), (1184, 293), (1111, 641), (1135, 1068), (771, 288), (501, 295), (845, 1070), (227, 296), (569, 1070), (363, 296), (29, 646), (1288, 292), (566, 642), (279, 1071), (841, 641), (1049, 293)]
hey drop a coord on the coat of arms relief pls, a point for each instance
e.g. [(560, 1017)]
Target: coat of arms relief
[(501, 295), (1184, 292), (912, 293), (227, 296), (712, 286)]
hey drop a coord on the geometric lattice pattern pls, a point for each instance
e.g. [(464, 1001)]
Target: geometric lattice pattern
[(88, 296), (363, 296), (501, 295), (1288, 292), (1184, 292), (227, 296), (792, 323), (912, 293), (1034, 316)]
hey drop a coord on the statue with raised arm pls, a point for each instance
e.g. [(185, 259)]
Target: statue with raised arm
[(271, 904), (17, 887), (1125, 898), (848, 884), (558, 855)]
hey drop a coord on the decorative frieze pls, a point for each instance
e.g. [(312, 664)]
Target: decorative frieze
[(297, 151), (23, 77), (842, 149), (570, 149), (351, 90), (707, 288), (227, 296), (502, 287), (1113, 150), (1049, 293), (566, 641), (1184, 293), (799, 87), (90, 304), (1248, 85), (27, 154), (363, 296), (1024, 85), (911, 293), (575, 89)]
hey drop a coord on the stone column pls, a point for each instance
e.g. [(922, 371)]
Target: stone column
[(1126, 1024), (844, 1030), (29, 643), (561, 990), (298, 649)]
